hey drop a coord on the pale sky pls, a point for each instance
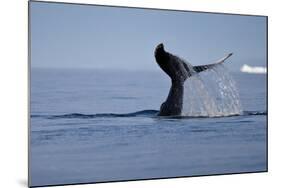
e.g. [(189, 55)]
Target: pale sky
[(82, 36)]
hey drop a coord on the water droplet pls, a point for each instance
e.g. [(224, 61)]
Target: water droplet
[(211, 93)]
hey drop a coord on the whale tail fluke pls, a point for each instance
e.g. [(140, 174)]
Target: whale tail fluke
[(177, 68), (172, 65), (201, 68)]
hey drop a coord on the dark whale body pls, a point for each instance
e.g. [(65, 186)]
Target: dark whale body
[(178, 71)]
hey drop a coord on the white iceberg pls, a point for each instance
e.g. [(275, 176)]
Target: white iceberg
[(252, 69)]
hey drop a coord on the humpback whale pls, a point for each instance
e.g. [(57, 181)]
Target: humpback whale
[(178, 70)]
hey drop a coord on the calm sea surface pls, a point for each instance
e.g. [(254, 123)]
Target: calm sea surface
[(95, 126)]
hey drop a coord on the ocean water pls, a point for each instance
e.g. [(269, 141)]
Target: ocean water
[(100, 125)]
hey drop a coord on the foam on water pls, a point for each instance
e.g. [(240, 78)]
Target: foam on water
[(211, 93)]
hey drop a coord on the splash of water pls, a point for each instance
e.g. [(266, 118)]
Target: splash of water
[(212, 93)]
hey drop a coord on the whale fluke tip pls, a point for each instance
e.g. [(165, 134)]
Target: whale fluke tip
[(160, 46)]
